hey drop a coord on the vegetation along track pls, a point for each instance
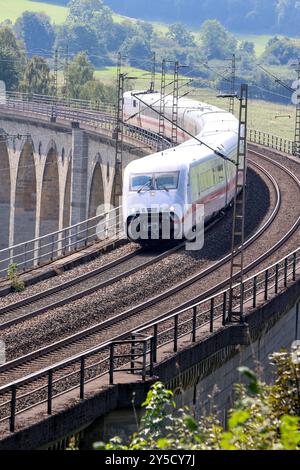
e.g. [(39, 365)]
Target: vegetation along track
[(259, 247)]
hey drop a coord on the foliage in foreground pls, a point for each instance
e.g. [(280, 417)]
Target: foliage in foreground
[(264, 417)]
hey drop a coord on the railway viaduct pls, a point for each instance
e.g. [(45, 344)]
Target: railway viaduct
[(54, 174), (58, 173)]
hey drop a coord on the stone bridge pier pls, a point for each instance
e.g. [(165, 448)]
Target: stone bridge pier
[(52, 176)]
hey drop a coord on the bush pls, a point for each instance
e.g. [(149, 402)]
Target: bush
[(17, 284), (264, 417)]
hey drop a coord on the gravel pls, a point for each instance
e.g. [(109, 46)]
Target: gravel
[(131, 291)]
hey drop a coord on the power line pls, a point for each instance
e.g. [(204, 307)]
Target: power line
[(215, 151)]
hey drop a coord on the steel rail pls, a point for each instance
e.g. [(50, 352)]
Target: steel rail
[(83, 334), (66, 363)]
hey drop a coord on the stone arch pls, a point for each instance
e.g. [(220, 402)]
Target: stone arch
[(67, 197), (40, 149), (5, 184), (96, 191), (49, 215), (25, 203), (51, 147)]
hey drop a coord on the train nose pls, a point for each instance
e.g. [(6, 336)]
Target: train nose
[(152, 226)]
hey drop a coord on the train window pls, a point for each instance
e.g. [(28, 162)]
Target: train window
[(139, 182), (206, 180), (167, 181)]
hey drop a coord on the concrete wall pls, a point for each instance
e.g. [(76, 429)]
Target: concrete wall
[(217, 388), (49, 176), (207, 384)]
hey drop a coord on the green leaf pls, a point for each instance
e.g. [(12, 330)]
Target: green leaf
[(190, 423), (237, 418), (162, 443)]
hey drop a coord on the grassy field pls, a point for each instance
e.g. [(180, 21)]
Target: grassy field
[(260, 41), (12, 9), (264, 116)]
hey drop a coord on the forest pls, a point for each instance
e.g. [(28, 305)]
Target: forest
[(253, 16)]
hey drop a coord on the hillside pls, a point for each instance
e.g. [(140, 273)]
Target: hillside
[(251, 17), (11, 10), (264, 16)]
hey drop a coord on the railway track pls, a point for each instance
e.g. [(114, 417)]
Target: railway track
[(178, 296), (84, 285), (79, 287), (159, 306)]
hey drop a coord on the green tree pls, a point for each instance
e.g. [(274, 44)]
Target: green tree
[(89, 11), (246, 55), (36, 31), (281, 51), (180, 34), (217, 42), (98, 92), (81, 71), (37, 77), (79, 37), (95, 15), (264, 417), (12, 58), (137, 49)]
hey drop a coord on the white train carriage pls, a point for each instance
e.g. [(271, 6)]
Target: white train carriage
[(198, 119), (162, 193)]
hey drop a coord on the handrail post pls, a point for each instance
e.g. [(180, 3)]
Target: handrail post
[(194, 324), (13, 408), (155, 334), (50, 391), (254, 291), (212, 308), (77, 237), (294, 266), (266, 284), (144, 359), (276, 278), (25, 256), (111, 364), (151, 356), (132, 354), (176, 333), (224, 308), (285, 272), (82, 374)]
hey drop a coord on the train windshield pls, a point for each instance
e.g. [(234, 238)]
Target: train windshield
[(158, 181), (166, 181), (139, 182)]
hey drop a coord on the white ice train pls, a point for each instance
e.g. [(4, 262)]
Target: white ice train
[(173, 183)]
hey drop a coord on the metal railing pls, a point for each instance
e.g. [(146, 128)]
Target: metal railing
[(95, 113), (86, 112), (44, 386), (213, 311), (271, 141), (137, 352), (61, 101), (107, 226), (45, 249)]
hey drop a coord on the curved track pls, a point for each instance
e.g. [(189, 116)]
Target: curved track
[(178, 296)]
